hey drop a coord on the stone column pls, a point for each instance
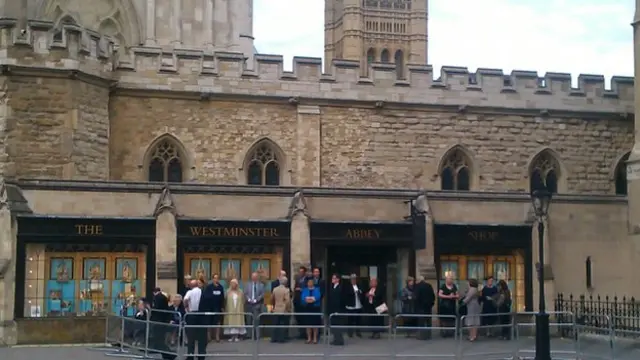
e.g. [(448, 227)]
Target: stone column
[(176, 22), (308, 144), (8, 237), (150, 23), (633, 164), (300, 235), (208, 24), (425, 258), (166, 243)]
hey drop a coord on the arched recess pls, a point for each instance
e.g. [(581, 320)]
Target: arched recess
[(399, 61), (95, 14), (545, 171), (264, 163), (618, 174), (371, 55), (167, 160), (457, 170), (384, 56)]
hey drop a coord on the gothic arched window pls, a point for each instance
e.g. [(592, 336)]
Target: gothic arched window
[(165, 162), (263, 165), (384, 56), (544, 173), (371, 56), (455, 173), (621, 175)]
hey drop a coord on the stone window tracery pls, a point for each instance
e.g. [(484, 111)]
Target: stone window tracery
[(545, 172), (455, 173), (264, 166), (621, 176), (165, 164)]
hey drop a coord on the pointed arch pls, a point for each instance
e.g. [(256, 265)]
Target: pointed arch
[(371, 55), (384, 56), (545, 171), (166, 160), (264, 164), (399, 61), (457, 170), (618, 174)]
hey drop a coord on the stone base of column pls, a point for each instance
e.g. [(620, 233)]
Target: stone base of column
[(8, 333)]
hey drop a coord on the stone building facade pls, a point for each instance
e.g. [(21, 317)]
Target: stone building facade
[(145, 140)]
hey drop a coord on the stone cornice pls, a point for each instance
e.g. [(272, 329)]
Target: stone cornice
[(400, 194), (123, 90), (73, 74)]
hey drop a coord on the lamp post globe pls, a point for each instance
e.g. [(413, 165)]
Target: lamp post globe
[(541, 200)]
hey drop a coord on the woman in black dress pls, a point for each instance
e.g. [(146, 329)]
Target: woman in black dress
[(448, 298)]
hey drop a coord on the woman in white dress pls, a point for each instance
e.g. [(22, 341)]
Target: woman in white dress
[(234, 309)]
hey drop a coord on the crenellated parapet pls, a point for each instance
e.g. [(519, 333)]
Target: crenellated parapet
[(70, 47), (198, 71)]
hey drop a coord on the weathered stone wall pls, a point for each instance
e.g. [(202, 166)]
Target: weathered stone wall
[(58, 128), (403, 148), (216, 134)]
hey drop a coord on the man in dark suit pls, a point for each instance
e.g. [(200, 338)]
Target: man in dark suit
[(160, 315), (353, 302), (318, 281), (335, 305), (275, 283), (425, 298), (300, 282)]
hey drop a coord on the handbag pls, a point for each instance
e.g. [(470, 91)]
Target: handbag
[(382, 309), (462, 308)]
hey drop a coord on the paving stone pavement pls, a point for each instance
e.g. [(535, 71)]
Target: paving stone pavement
[(361, 349)]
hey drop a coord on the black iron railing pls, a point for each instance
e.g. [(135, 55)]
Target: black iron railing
[(598, 314)]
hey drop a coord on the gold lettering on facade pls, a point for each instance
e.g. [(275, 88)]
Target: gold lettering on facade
[(212, 231), (91, 230), (363, 234), (484, 235)]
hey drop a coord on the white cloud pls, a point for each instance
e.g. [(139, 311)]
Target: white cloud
[(576, 36)]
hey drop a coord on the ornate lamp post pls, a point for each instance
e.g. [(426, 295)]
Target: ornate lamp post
[(541, 200)]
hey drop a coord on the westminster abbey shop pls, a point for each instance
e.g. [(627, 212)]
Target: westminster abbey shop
[(147, 140)]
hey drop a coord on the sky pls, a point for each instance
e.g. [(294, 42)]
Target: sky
[(571, 36)]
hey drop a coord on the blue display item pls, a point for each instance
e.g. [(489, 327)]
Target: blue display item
[(231, 269), (61, 269), (200, 268), (94, 268), (60, 298), (125, 293), (95, 297), (262, 267), (126, 269)]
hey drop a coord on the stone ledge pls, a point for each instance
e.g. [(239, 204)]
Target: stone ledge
[(288, 191), (60, 330)]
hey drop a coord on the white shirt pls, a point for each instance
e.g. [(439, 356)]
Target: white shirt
[(358, 303), (192, 297)]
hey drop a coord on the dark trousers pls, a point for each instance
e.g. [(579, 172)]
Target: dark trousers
[(505, 330), (424, 323), (354, 321), (376, 321), (338, 338), (298, 308), (279, 332), (489, 319), (196, 337)]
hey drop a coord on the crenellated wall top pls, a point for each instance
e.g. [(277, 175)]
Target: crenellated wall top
[(211, 74)]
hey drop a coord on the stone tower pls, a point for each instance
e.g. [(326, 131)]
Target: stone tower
[(386, 31)]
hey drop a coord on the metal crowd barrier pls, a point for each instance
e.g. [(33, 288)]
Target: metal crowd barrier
[(388, 327), (133, 338), (196, 325), (437, 322), (492, 323), (281, 331)]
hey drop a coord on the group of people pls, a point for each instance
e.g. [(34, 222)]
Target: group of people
[(206, 308), (487, 306)]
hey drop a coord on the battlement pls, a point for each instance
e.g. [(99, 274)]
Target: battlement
[(209, 73), (70, 47)]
